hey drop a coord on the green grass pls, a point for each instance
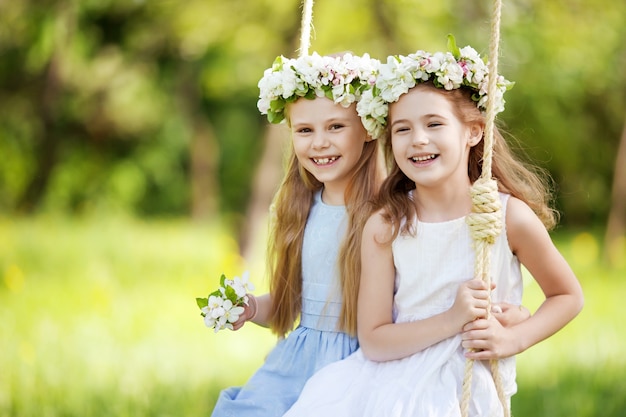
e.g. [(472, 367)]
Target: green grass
[(98, 318)]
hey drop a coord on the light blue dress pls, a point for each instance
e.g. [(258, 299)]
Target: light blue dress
[(316, 342)]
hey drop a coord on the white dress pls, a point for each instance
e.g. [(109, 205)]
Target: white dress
[(429, 268)]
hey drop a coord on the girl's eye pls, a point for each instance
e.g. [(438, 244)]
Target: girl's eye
[(335, 126), (434, 124), (304, 130), (401, 129)]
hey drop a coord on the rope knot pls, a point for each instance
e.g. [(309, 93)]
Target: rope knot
[(485, 220)]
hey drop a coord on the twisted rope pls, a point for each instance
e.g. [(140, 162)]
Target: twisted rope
[(305, 29), (485, 221)]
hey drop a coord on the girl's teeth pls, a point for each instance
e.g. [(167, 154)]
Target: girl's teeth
[(422, 158), (324, 161)]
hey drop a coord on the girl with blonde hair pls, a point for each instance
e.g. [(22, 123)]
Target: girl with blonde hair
[(334, 170)]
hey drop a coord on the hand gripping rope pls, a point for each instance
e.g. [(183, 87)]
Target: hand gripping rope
[(485, 221)]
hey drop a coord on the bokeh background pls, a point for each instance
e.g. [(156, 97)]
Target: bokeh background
[(135, 169)]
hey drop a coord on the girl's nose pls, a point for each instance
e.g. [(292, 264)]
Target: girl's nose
[(420, 138), (320, 140)]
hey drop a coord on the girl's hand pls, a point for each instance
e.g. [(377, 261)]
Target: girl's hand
[(488, 339), (471, 301), (249, 312), (509, 314)]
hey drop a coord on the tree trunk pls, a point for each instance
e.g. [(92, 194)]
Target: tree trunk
[(265, 183), (269, 172), (46, 149), (203, 169), (615, 236), (203, 149)]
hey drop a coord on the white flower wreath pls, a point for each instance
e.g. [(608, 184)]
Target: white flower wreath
[(448, 70), (340, 78)]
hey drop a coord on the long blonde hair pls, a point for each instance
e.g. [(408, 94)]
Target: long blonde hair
[(525, 182), (291, 209)]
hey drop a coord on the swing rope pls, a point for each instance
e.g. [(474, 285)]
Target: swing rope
[(305, 29), (485, 221)]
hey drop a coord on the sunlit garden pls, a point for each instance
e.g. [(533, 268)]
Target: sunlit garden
[(98, 318), (135, 169)]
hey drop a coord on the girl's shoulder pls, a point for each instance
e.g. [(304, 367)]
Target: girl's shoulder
[(522, 224), (378, 226), (518, 213)]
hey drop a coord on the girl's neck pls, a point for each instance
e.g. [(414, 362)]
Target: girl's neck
[(333, 196), (436, 205)]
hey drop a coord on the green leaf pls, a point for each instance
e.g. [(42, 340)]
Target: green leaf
[(452, 46), (277, 104), (222, 279), (202, 302), (231, 294), (278, 63), (275, 117)]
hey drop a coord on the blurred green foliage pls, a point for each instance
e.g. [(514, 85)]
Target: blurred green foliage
[(103, 102), (102, 106), (99, 319)]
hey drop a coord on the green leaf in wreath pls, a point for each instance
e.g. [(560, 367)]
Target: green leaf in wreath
[(452, 47)]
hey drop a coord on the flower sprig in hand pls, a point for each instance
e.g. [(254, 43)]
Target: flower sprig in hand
[(224, 306)]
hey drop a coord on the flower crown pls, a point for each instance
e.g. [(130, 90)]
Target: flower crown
[(340, 78), (448, 70)]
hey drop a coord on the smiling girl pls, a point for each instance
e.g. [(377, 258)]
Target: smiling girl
[(334, 169)]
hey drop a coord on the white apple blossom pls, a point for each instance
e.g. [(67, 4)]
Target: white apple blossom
[(210, 321), (373, 111), (340, 78), (231, 311), (215, 303), (242, 285), (448, 70)]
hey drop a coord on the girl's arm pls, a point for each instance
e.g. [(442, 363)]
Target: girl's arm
[(379, 337), (534, 248)]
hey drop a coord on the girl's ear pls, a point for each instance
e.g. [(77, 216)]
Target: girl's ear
[(476, 134)]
